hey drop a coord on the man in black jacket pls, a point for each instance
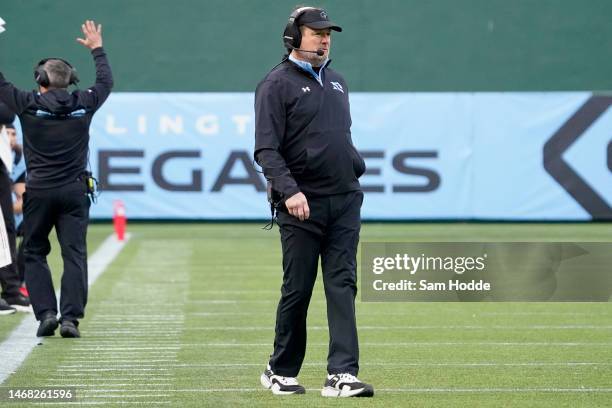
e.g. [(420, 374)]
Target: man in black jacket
[(55, 127), (10, 283), (303, 144)]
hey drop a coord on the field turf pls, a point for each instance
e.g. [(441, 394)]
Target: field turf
[(184, 317)]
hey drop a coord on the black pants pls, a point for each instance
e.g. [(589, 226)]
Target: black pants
[(9, 277), (331, 233), (67, 209)]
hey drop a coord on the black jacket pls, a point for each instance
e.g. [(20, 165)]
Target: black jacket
[(303, 133), (56, 126)]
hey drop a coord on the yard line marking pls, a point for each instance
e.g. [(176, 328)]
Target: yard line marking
[(93, 341), (98, 385), (404, 313), (140, 316), (22, 340), (147, 403), (100, 348), (96, 361), (102, 380), (401, 344), (146, 330), (488, 390), (124, 354), (79, 374), (372, 364), (398, 390), (84, 370), (541, 314), (116, 365), (95, 394)]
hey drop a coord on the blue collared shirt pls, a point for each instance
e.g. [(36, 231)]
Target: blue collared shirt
[(307, 66)]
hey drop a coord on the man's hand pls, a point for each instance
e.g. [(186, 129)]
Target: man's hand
[(93, 35), (298, 206)]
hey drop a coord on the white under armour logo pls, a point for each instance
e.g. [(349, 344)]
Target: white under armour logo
[(337, 86), (306, 89)]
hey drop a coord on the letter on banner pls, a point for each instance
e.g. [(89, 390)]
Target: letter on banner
[(168, 124), (112, 128), (241, 122), (208, 125)]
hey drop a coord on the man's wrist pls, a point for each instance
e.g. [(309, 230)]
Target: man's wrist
[(291, 192)]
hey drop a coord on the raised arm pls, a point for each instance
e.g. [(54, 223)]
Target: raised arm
[(95, 96), (16, 100)]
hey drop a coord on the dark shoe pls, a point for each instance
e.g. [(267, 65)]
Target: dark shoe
[(69, 329), (280, 385), (5, 309), (19, 302), (346, 385), (48, 324)]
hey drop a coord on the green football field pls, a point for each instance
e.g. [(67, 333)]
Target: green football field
[(184, 316)]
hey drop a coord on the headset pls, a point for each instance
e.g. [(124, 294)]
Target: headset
[(42, 78), (292, 37)]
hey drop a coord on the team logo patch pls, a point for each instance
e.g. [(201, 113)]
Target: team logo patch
[(337, 86), (306, 89)]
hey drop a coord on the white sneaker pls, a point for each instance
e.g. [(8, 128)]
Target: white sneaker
[(280, 385), (346, 385)]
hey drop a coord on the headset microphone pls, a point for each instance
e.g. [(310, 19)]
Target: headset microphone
[(320, 52)]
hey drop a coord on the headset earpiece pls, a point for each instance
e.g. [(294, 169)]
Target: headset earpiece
[(292, 37), (40, 75)]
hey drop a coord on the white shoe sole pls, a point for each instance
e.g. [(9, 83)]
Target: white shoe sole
[(265, 381), (333, 392), (7, 312), (24, 309)]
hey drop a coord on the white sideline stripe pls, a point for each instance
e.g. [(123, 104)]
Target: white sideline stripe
[(22, 340)]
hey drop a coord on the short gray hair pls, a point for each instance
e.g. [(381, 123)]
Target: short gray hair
[(58, 72)]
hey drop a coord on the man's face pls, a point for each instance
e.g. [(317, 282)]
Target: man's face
[(12, 134), (313, 40)]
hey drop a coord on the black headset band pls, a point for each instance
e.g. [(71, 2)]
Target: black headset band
[(292, 36), (41, 77), (297, 13)]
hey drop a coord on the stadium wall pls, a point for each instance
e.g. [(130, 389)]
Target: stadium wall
[(465, 110), (390, 45)]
